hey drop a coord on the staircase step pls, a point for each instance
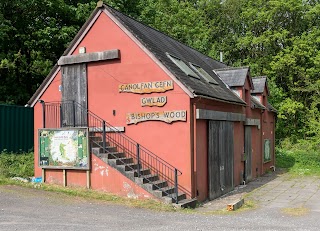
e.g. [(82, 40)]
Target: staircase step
[(131, 167), (143, 172), (95, 138), (112, 155), (187, 203), (159, 184), (165, 191), (123, 161), (150, 178), (100, 147), (171, 197)]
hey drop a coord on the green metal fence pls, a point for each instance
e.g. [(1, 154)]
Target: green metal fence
[(16, 128)]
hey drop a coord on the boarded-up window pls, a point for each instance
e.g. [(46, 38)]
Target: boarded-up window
[(267, 150)]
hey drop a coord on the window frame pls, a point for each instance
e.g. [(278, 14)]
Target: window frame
[(182, 66), (209, 79)]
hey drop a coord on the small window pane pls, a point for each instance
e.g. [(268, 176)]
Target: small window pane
[(204, 74), (184, 67)]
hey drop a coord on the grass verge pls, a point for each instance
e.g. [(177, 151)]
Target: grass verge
[(93, 195), (298, 161)]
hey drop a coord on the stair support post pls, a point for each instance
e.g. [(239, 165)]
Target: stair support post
[(104, 135), (138, 159), (176, 184)]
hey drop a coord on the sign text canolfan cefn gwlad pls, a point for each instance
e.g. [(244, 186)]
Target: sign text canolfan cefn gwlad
[(147, 87)]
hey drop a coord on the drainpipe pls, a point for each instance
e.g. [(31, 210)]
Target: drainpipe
[(43, 112)]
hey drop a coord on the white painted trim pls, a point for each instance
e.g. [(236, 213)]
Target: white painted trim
[(46, 86), (70, 52), (142, 47)]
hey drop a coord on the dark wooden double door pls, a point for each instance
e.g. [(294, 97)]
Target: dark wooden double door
[(220, 158)]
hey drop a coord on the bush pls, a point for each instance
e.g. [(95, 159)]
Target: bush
[(16, 164), (300, 157)]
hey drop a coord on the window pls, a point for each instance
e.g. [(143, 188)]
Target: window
[(267, 150), (236, 92), (203, 73), (183, 67)]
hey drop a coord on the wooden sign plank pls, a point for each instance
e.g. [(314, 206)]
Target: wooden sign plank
[(147, 87), (165, 116), (154, 101)]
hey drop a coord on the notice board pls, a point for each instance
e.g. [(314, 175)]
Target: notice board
[(66, 148)]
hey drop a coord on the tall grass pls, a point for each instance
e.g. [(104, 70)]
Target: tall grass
[(300, 158), (16, 164)]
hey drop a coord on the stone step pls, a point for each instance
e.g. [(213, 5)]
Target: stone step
[(150, 178), (95, 139), (97, 144), (112, 155), (123, 161), (165, 191), (171, 197), (187, 203), (159, 184)]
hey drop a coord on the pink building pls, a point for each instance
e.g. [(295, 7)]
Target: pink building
[(164, 121)]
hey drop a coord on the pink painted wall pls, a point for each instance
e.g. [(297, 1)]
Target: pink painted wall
[(108, 179), (51, 94), (170, 142), (103, 178)]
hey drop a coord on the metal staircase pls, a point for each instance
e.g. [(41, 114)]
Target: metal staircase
[(119, 151)]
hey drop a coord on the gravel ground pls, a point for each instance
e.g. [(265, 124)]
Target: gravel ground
[(31, 209)]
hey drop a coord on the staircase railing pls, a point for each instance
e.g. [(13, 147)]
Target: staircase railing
[(72, 114)]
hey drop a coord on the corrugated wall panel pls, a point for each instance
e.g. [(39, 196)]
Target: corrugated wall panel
[(16, 128)]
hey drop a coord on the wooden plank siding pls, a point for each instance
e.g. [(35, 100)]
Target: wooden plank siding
[(248, 152), (220, 158), (74, 88)]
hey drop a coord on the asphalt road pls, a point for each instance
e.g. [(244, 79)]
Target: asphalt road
[(31, 209)]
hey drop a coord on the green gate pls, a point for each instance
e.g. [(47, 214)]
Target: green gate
[(16, 128)]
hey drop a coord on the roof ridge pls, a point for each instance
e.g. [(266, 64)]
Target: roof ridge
[(260, 77), (232, 68)]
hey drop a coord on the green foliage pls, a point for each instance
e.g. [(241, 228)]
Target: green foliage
[(16, 164), (301, 158), (278, 38)]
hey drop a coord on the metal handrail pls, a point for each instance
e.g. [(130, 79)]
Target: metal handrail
[(142, 156)]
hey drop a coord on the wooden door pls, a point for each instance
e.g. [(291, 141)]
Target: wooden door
[(220, 158), (248, 152), (74, 95)]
